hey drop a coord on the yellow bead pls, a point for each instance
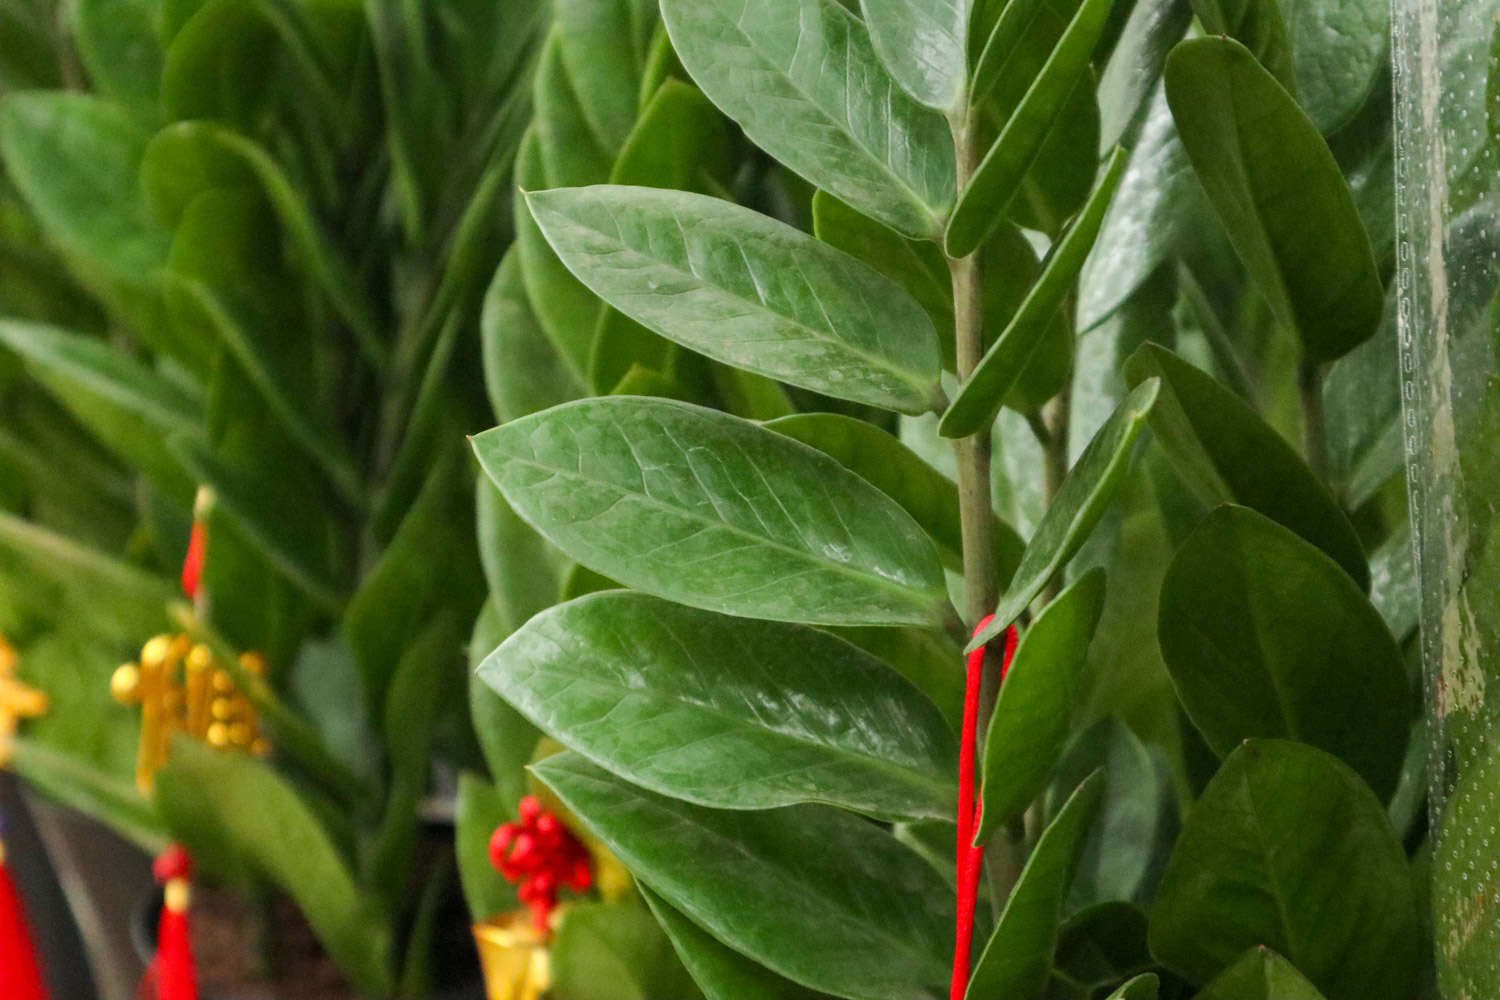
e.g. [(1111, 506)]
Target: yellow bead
[(125, 683), (200, 658), (218, 735), (154, 652)]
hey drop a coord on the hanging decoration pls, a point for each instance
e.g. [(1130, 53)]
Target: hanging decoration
[(20, 964)]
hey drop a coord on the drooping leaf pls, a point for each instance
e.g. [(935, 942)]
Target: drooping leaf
[(885, 463), (878, 924), (698, 507), (924, 44), (1288, 848), (1041, 694), (802, 79), (1260, 975), (1226, 452), (720, 971), (982, 395), (1018, 956), (725, 712), (982, 204), (1273, 180), (1266, 637), (747, 290), (1077, 507)]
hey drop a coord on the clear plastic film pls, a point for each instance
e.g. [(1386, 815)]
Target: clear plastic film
[(1448, 219)]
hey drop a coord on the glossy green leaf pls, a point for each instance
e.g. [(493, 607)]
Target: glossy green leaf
[(715, 512), (1077, 507), (1265, 636), (1465, 863), (615, 951), (605, 45), (924, 44), (726, 712), (235, 813), (1288, 848), (885, 463), (1273, 180), (802, 79), (1260, 975), (982, 204), (747, 290), (1018, 956), (480, 809), (876, 925), (720, 972), (1259, 26), (1038, 701), (1002, 366), (1339, 52), (680, 142), (1226, 453), (1134, 69)]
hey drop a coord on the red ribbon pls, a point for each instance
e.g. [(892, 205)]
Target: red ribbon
[(192, 566), (20, 970), (172, 975), (969, 858)]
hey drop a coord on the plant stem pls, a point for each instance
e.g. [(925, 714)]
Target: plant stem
[(1314, 427), (1050, 427)]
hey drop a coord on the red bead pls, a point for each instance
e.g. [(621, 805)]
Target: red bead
[(530, 807), (174, 862)]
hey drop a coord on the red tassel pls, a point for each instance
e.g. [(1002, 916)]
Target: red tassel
[(192, 566), (968, 858), (20, 971), (172, 975)]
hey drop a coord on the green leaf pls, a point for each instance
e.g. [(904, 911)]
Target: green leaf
[(1465, 864), (480, 809), (1101, 946), (234, 813), (1003, 365), (802, 79), (924, 44), (1273, 180), (983, 203), (1142, 987), (697, 506), (506, 738), (118, 44), (1259, 26), (1288, 848), (1077, 507), (725, 712), (1037, 704), (61, 776), (720, 971), (1260, 975), (885, 463), (1134, 68), (523, 371), (1226, 453), (681, 142), (615, 951), (1265, 636), (1339, 51), (1018, 956), (605, 45), (747, 290), (875, 925)]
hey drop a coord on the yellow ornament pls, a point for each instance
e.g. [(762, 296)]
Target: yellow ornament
[(17, 701), (513, 956)]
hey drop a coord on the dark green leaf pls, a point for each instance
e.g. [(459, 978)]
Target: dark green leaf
[(1003, 364), (803, 81), (481, 808), (725, 712), (1266, 637), (697, 506), (982, 205), (1340, 52), (1018, 956), (1226, 453), (523, 371), (1259, 26), (1273, 180), (1077, 507), (1288, 848), (680, 142), (924, 44), (506, 738), (1260, 975), (1142, 987), (118, 43), (875, 925), (1134, 68), (747, 290), (1035, 711), (1102, 945)]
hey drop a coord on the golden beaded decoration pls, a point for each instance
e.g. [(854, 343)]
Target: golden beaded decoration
[(17, 701)]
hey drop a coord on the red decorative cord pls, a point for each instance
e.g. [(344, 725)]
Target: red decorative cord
[(541, 854), (20, 967), (969, 858)]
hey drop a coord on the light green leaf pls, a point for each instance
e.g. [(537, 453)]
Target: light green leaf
[(1260, 975), (885, 463), (235, 813), (983, 203), (802, 79), (715, 512), (615, 951), (506, 738), (118, 43), (1018, 956), (720, 971), (480, 809), (747, 290), (1226, 453), (1265, 636), (1273, 180), (924, 44), (523, 371), (1007, 359), (1288, 848), (1037, 704), (605, 45), (680, 142), (1077, 507), (725, 712), (876, 925)]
